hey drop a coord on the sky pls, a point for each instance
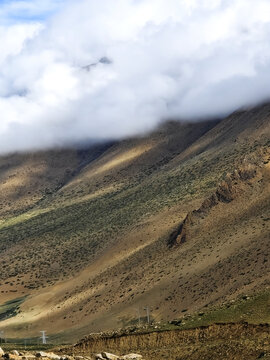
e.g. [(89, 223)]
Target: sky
[(73, 71), (13, 11)]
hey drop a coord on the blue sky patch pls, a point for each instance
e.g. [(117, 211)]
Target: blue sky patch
[(21, 11)]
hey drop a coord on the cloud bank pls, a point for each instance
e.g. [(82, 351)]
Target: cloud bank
[(113, 68)]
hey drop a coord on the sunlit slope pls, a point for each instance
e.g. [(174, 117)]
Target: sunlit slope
[(71, 225), (96, 248)]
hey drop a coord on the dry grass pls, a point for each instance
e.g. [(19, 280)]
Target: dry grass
[(92, 248)]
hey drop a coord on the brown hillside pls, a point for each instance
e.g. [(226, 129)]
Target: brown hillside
[(89, 244)]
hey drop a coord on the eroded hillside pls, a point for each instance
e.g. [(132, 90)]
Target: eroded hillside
[(100, 236)]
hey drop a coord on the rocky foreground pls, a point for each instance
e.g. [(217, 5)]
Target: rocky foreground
[(232, 341), (41, 355)]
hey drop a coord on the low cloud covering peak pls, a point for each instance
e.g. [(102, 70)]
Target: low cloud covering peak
[(108, 69)]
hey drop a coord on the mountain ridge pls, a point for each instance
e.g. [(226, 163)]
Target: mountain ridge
[(89, 244)]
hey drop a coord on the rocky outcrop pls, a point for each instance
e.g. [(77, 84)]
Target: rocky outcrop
[(109, 356), (149, 342), (179, 236), (226, 192)]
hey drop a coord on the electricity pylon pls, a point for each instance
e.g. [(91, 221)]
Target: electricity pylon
[(44, 337)]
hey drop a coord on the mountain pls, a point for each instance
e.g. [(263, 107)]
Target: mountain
[(177, 220)]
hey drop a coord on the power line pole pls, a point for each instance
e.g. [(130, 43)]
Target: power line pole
[(147, 313), (44, 337), (139, 316), (2, 337)]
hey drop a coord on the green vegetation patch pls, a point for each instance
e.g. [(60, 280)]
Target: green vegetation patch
[(25, 344), (253, 309), (10, 308)]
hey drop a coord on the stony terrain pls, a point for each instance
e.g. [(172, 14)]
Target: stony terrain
[(236, 341), (41, 355), (177, 220), (217, 341)]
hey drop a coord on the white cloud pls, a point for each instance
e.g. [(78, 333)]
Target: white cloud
[(168, 58)]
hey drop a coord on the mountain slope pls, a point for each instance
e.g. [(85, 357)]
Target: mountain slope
[(96, 245)]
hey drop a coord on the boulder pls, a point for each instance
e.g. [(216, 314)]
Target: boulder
[(132, 357), (98, 357), (1, 352), (109, 356), (50, 355), (11, 356), (41, 354), (53, 356), (66, 357), (15, 352)]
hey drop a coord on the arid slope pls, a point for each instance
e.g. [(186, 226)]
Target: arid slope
[(89, 239)]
